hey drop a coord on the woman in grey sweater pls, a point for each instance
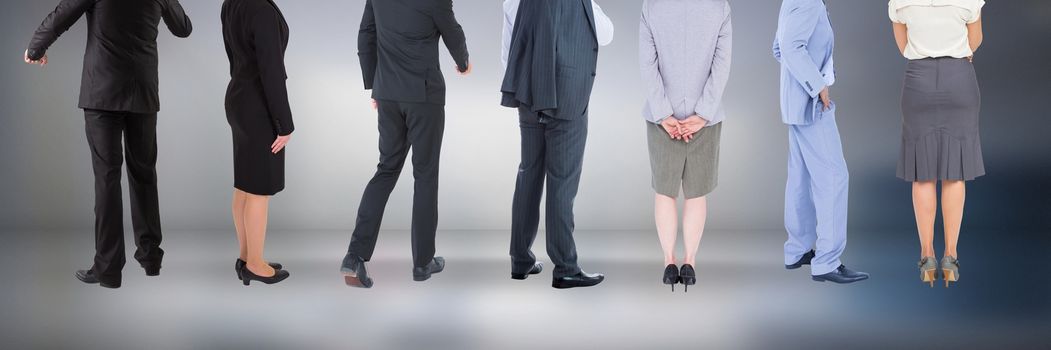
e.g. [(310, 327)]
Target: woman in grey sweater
[(684, 54)]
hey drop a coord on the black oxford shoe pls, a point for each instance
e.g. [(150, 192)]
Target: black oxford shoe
[(89, 277), (354, 272), (537, 268), (581, 279), (423, 273), (842, 275), (805, 260)]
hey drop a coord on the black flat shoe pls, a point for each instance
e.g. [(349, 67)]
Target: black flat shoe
[(687, 276), (423, 273), (842, 275), (247, 276), (671, 275), (89, 277), (537, 268), (240, 265), (354, 272), (581, 279), (805, 260)]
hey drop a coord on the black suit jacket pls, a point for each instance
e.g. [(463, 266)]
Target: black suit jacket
[(120, 60), (256, 35), (398, 48), (552, 59)]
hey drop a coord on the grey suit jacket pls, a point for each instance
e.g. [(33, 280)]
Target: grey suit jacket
[(684, 53)]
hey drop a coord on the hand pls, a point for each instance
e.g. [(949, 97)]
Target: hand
[(825, 100), (691, 126), (466, 72), (671, 126), (42, 61), (375, 106), (279, 143), (970, 58)]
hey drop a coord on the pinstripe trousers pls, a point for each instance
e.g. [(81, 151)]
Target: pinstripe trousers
[(552, 149)]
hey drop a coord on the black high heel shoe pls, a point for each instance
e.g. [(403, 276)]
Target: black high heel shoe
[(671, 275), (240, 265), (247, 276), (687, 276)]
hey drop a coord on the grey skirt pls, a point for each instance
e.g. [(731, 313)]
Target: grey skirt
[(940, 104), (693, 167)]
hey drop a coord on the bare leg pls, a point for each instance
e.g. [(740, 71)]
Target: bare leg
[(694, 215), (953, 197), (667, 217), (925, 204), (256, 208), (239, 201)]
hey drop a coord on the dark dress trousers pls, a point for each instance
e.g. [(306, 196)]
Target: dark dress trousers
[(119, 96), (256, 35), (398, 50), (549, 77)]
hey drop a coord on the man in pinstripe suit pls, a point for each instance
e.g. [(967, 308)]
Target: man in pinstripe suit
[(551, 87)]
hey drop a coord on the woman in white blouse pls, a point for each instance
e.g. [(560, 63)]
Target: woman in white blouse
[(940, 108)]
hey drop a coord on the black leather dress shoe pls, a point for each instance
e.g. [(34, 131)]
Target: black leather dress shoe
[(842, 275), (354, 272), (152, 271), (423, 273), (537, 268), (581, 279), (805, 260), (240, 265), (88, 276)]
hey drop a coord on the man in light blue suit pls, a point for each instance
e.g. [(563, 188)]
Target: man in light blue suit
[(818, 181)]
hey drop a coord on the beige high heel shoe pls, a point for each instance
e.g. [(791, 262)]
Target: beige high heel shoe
[(928, 270)]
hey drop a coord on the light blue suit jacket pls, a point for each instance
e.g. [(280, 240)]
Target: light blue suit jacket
[(803, 44)]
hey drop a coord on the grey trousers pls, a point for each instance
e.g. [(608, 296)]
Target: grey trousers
[(552, 150), (419, 126)]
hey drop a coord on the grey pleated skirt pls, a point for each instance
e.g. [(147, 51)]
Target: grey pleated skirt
[(940, 105), (692, 167)]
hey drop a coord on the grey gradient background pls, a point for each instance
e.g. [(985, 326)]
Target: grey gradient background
[(744, 300)]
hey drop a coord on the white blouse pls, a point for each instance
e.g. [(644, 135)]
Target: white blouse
[(937, 28)]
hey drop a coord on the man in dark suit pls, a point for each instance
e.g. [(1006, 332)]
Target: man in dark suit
[(119, 96), (398, 49), (551, 53)]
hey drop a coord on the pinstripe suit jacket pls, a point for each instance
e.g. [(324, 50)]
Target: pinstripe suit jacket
[(552, 59)]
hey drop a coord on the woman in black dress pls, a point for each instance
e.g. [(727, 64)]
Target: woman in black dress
[(257, 109)]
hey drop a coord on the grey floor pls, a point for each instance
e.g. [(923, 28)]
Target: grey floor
[(744, 299)]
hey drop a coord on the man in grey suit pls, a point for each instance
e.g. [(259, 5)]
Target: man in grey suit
[(551, 87)]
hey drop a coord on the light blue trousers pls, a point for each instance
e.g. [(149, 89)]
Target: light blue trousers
[(816, 194)]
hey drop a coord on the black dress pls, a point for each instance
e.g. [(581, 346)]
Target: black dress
[(257, 109)]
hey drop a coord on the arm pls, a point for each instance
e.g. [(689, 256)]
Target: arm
[(798, 27), (901, 36), (266, 37), (712, 95), (974, 34), (660, 107), (64, 16), (176, 20), (603, 25), (452, 33), (510, 12), (367, 54)]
